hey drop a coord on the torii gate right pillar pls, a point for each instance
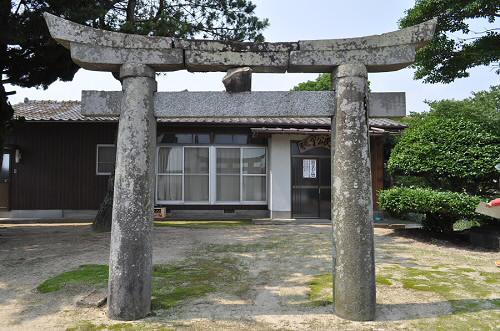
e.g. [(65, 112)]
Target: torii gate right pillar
[(352, 211)]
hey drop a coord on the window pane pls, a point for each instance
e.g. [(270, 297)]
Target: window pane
[(169, 187), (4, 174), (228, 160), (254, 188), (105, 168), (254, 160), (240, 139), (195, 187), (196, 160), (202, 138), (106, 154), (221, 138), (170, 160), (231, 139), (176, 138), (228, 188)]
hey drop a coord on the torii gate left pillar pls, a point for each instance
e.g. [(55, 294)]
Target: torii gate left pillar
[(129, 291)]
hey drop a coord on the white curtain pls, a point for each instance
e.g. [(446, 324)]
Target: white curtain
[(196, 167), (254, 188), (169, 185)]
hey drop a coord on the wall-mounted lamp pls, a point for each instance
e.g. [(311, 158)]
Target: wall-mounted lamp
[(17, 156)]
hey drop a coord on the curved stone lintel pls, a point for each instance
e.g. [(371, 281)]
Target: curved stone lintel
[(377, 59), (417, 35), (105, 50), (103, 58)]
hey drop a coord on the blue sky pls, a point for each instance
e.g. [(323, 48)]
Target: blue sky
[(293, 20)]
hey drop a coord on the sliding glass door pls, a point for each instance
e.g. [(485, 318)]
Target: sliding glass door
[(211, 175)]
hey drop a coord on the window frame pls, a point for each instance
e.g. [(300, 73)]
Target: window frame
[(212, 176), (97, 172)]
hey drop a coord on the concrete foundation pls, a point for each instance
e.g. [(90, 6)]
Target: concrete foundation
[(130, 267), (352, 211)]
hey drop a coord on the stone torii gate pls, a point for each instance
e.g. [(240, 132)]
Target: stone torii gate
[(137, 58)]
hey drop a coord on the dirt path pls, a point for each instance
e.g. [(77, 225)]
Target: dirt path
[(279, 264)]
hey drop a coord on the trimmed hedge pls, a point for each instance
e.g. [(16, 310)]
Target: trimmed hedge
[(441, 209)]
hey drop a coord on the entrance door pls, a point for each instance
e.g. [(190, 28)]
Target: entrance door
[(4, 182), (311, 192)]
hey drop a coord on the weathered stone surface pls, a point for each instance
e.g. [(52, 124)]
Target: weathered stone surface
[(386, 52), (64, 32), (234, 46), (352, 211), (238, 80), (417, 35), (94, 299), (247, 104), (203, 61), (130, 264), (376, 59), (102, 58)]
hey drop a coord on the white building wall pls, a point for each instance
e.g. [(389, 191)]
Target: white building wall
[(280, 177)]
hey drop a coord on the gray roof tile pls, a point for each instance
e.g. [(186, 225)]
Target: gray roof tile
[(70, 111)]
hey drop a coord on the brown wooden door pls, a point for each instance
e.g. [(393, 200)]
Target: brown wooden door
[(4, 182)]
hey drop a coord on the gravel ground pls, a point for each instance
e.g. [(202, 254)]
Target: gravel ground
[(431, 285)]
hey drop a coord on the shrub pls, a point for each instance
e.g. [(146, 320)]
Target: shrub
[(453, 147), (441, 209)]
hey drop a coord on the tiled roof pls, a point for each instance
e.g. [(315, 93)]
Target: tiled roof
[(70, 111)]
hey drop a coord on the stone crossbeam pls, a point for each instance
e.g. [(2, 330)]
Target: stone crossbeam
[(106, 51), (245, 104)]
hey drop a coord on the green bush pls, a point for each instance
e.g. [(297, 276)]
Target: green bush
[(441, 209), (453, 147)]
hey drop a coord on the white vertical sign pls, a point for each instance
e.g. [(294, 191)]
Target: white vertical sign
[(308, 168)]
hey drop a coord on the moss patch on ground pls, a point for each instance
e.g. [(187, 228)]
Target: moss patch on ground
[(201, 224), (90, 274), (172, 283), (321, 290), (197, 277), (470, 293)]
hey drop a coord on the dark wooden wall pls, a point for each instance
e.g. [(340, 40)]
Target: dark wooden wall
[(57, 169)]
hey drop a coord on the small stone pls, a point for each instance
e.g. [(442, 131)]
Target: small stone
[(94, 299), (238, 80)]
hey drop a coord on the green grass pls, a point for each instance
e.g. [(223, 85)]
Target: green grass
[(172, 283), (90, 274), (472, 294), (201, 224), (89, 326), (196, 278), (321, 290), (381, 280)]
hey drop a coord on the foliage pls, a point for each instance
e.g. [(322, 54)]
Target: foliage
[(442, 209), (455, 48), (322, 83), (453, 147)]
